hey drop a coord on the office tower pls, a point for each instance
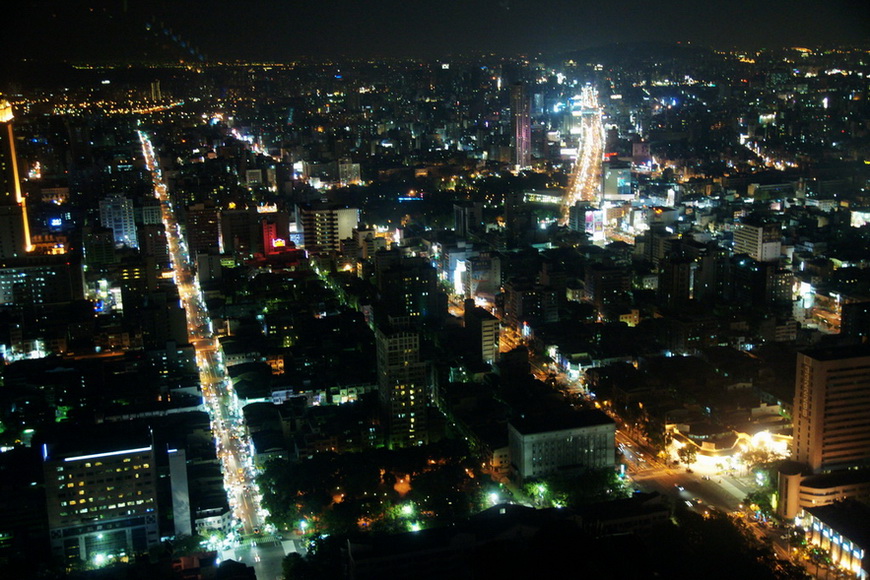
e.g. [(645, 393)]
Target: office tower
[(467, 218), (760, 283), (676, 281), (276, 232), (407, 287), (525, 302), (14, 227), (855, 322), (41, 280), (98, 245), (521, 126), (762, 241), (203, 228), (616, 184), (325, 225), (348, 172), (607, 285), (149, 213), (402, 382), (543, 445), (240, 232), (180, 492), (116, 212), (101, 493), (831, 408), (482, 329), (152, 242)]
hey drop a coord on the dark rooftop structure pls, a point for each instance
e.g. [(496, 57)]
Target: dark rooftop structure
[(560, 421)]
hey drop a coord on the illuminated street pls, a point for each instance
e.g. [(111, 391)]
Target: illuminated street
[(585, 180), (227, 421)]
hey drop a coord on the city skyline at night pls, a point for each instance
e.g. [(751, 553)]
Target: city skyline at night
[(425, 290)]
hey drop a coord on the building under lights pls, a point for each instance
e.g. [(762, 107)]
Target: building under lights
[(541, 446), (832, 403), (101, 494), (325, 225), (831, 444), (843, 529), (521, 126), (403, 382), (14, 226), (116, 212), (762, 241)]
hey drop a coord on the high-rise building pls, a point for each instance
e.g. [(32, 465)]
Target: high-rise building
[(402, 382), (468, 218), (761, 240), (101, 495), (240, 232), (616, 182), (676, 281), (521, 126), (483, 332), (831, 408), (325, 225), (14, 226), (203, 228), (116, 212), (41, 280), (407, 287)]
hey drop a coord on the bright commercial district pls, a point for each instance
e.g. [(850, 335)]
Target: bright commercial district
[(231, 437), (719, 481)]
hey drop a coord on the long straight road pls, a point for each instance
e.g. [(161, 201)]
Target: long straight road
[(227, 421), (585, 181)]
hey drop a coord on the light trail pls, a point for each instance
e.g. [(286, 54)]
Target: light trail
[(227, 420), (585, 181)]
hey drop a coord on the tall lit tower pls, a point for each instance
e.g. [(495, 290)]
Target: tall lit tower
[(521, 126), (14, 228)]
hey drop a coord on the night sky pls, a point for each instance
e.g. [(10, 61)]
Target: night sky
[(277, 30)]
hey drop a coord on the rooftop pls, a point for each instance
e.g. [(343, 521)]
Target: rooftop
[(560, 422)]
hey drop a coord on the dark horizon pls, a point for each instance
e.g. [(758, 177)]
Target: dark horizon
[(276, 31)]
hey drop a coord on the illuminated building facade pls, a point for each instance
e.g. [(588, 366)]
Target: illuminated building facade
[(832, 403), (324, 226), (41, 280), (101, 498), (554, 444), (521, 126), (14, 226), (116, 212), (616, 184), (484, 332), (402, 382), (762, 241), (843, 530)]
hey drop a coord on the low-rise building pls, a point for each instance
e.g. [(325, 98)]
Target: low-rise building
[(548, 445)]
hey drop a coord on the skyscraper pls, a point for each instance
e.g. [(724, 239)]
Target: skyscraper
[(325, 225), (116, 212), (521, 126), (831, 407), (14, 227), (402, 382), (101, 494), (761, 240)]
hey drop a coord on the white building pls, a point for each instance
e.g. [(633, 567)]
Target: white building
[(763, 242), (562, 443), (116, 212)]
